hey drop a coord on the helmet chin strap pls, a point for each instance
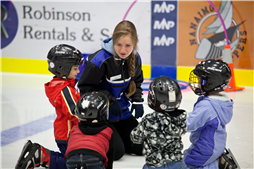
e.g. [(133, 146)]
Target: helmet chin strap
[(199, 92)]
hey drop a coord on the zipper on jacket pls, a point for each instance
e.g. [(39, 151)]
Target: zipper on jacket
[(123, 73)]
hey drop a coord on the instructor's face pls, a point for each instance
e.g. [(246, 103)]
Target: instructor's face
[(124, 46)]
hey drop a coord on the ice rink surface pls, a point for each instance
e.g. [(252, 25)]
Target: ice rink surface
[(27, 114)]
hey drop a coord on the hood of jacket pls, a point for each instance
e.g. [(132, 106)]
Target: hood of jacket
[(223, 107), (92, 128), (107, 44), (174, 122), (55, 86)]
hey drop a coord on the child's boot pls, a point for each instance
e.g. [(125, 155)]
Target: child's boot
[(26, 153), (227, 160), (42, 156), (33, 155)]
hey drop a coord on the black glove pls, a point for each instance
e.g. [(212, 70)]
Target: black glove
[(115, 109), (139, 109)]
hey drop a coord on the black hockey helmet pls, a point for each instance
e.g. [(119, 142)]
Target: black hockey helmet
[(93, 106), (214, 77), (61, 58), (164, 94)]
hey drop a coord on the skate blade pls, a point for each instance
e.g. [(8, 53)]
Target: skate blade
[(233, 157), (24, 160), (23, 152), (230, 159)]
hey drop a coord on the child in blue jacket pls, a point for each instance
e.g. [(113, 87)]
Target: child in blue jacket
[(211, 113)]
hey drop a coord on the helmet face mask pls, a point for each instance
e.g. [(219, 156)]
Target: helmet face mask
[(195, 83), (61, 58), (164, 94), (210, 76), (93, 106)]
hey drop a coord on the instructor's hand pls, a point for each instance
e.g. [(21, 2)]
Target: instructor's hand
[(139, 109), (115, 109)]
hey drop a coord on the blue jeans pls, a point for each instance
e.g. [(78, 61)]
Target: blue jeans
[(172, 165), (85, 161)]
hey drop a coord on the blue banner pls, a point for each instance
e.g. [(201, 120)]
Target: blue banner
[(164, 38)]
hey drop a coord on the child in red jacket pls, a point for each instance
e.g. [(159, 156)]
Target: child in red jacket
[(63, 62), (90, 142)]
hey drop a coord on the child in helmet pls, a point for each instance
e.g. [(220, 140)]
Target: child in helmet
[(211, 113), (63, 62), (161, 131), (90, 142)]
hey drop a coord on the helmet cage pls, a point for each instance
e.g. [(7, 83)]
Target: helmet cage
[(193, 84), (212, 79)]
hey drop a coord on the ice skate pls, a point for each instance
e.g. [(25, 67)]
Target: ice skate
[(33, 155), (23, 156), (227, 160)]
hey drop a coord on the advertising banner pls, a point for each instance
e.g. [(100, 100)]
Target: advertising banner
[(30, 29), (173, 35), (201, 33), (163, 37)]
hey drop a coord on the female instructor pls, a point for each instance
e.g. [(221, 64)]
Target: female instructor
[(115, 70)]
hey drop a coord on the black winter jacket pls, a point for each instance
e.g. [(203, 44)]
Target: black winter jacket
[(110, 75)]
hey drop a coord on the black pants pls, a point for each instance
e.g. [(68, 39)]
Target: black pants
[(121, 133)]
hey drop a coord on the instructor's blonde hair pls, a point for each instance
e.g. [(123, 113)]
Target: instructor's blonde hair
[(128, 28)]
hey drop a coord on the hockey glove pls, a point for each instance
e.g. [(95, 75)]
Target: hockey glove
[(139, 109), (115, 109)]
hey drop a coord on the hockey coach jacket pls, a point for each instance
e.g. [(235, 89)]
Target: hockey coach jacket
[(63, 96), (110, 75)]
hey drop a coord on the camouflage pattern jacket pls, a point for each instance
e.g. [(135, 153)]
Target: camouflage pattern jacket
[(161, 135)]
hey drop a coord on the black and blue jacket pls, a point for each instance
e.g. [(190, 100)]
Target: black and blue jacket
[(109, 75)]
